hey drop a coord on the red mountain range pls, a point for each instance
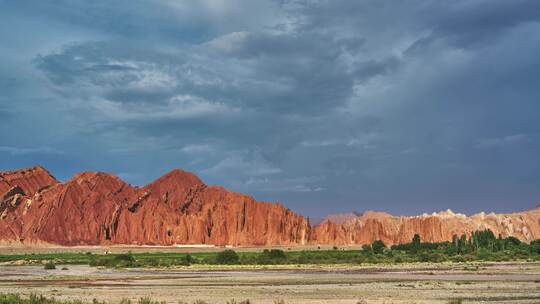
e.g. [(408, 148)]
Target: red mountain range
[(94, 208)]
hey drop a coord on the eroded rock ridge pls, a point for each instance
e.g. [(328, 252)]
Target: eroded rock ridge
[(95, 208)]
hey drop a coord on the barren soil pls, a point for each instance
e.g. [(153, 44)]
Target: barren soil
[(409, 283)]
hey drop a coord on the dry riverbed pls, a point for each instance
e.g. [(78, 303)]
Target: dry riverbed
[(412, 283)]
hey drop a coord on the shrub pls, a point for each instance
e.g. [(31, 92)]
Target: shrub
[(124, 257), (484, 254), (233, 301), (431, 257), (227, 257), (275, 254), (366, 248), (469, 257), (458, 259), (147, 300), (272, 256), (120, 260), (49, 266), (33, 299), (188, 259)]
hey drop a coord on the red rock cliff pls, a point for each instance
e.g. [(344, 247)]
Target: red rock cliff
[(436, 227), (97, 208)]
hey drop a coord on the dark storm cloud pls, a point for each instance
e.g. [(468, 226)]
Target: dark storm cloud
[(476, 21), (328, 106), (4, 114)]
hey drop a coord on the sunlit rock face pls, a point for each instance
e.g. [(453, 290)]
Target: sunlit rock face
[(435, 227), (97, 208), (30, 180), (94, 208)]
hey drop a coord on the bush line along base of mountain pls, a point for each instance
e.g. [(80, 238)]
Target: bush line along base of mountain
[(480, 246)]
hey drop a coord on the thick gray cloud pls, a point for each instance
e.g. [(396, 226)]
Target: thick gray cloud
[(327, 106)]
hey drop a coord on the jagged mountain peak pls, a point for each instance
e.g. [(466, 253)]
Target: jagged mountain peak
[(177, 177)]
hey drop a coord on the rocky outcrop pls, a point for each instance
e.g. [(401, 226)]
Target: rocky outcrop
[(94, 208), (16, 191), (30, 180)]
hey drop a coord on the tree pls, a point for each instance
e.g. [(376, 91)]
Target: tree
[(416, 243), (378, 246), (416, 240), (513, 241), (462, 244), (455, 240), (535, 246), (483, 239)]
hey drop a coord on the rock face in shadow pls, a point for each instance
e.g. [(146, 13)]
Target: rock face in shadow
[(94, 208)]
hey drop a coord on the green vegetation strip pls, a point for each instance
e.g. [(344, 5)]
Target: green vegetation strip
[(480, 246)]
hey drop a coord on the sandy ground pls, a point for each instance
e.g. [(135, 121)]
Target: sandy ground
[(413, 283)]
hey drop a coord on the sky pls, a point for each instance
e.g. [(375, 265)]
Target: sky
[(326, 106)]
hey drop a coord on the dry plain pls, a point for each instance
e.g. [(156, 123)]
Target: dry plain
[(515, 282)]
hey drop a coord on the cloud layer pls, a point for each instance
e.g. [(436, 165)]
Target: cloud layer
[(326, 106)]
